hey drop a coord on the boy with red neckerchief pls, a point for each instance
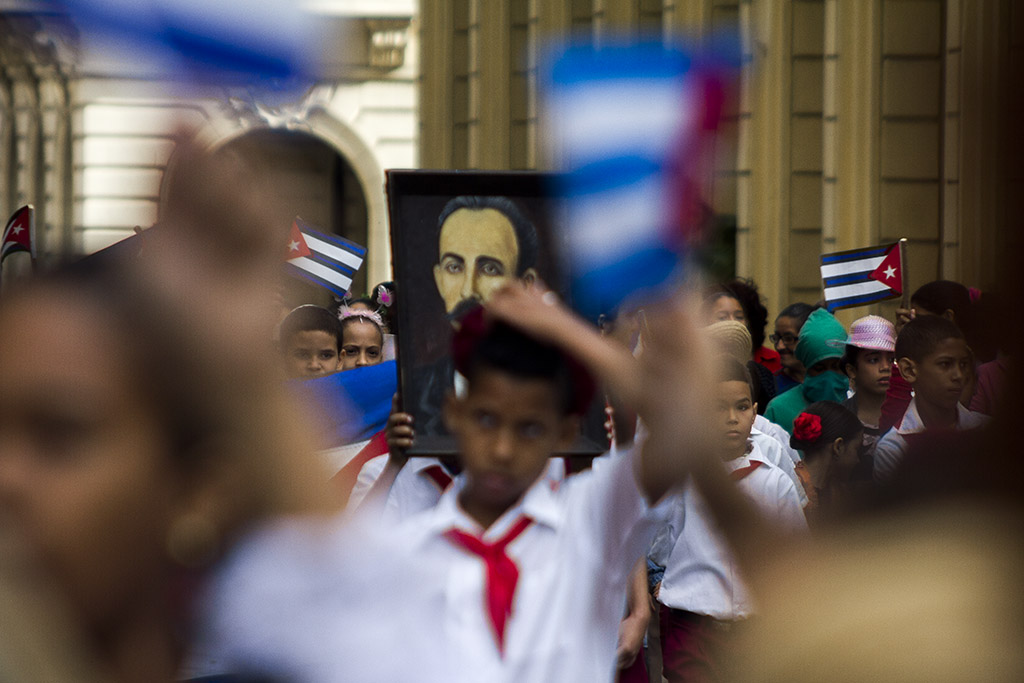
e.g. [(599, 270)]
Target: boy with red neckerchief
[(934, 358), (703, 599), (525, 579)]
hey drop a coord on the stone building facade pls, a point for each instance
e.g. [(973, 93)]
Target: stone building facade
[(86, 135), (857, 121)]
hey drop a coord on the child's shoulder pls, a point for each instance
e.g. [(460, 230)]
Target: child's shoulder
[(971, 419)]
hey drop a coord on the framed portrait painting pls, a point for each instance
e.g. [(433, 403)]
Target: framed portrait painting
[(456, 236)]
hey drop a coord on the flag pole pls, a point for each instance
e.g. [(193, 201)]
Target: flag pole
[(904, 280)]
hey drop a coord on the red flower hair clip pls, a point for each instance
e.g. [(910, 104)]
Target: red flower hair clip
[(807, 427)]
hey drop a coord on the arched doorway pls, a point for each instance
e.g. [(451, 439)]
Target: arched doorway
[(312, 180)]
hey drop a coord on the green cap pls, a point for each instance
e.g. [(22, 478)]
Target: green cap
[(821, 337)]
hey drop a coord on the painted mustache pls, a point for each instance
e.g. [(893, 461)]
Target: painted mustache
[(461, 309)]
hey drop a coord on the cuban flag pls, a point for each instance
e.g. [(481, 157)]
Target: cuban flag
[(349, 411), (862, 276), (19, 234), (627, 124), (326, 260)]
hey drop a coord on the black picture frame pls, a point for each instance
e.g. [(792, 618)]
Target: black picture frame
[(415, 201)]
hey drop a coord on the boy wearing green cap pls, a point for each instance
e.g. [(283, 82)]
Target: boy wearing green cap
[(820, 349)]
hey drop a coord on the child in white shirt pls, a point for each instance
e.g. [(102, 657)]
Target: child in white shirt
[(935, 359), (701, 594), (526, 577)]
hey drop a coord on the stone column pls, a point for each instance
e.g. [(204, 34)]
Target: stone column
[(493, 65), (974, 242), (436, 74), (850, 127), (762, 183)]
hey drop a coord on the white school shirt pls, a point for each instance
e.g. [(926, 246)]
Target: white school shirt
[(308, 600), (779, 433), (412, 492), (701, 575), (574, 561), (773, 451), (891, 448)]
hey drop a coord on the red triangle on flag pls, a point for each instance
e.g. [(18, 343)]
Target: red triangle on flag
[(17, 235), (297, 246), (890, 271)]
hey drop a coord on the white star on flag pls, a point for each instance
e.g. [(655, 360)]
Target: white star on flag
[(858, 277), (327, 260), (18, 234)]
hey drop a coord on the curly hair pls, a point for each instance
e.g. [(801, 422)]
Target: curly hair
[(745, 291)]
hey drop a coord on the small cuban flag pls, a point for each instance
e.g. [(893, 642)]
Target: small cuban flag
[(862, 276), (19, 235), (326, 260)]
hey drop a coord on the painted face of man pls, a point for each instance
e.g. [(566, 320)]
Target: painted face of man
[(479, 252)]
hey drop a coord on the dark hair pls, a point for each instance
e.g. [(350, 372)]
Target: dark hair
[(920, 336), (309, 318), (850, 354), (349, 319), (837, 422), (728, 369), (386, 310), (745, 291), (526, 233), (502, 347), (941, 295), (364, 300), (799, 311)]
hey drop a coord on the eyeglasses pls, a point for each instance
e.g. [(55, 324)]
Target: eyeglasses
[(787, 339)]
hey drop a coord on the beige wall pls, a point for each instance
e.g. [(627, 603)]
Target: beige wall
[(86, 137), (857, 121)]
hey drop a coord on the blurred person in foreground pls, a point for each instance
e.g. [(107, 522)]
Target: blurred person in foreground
[(130, 466)]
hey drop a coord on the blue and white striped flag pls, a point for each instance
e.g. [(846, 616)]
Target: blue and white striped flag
[(861, 276), (627, 120), (272, 42), (326, 260)]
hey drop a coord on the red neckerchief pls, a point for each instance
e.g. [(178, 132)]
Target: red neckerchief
[(502, 573), (346, 477), (440, 477), (743, 472)]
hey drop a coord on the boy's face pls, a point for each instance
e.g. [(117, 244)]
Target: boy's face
[(940, 376), (311, 353), (871, 373), (506, 427), (736, 411)]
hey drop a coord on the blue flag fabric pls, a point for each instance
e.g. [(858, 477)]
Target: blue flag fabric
[(352, 405), (269, 42), (619, 113)]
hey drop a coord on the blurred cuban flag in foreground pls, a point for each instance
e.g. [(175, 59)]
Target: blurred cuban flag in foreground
[(349, 411), (218, 42), (629, 124)]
